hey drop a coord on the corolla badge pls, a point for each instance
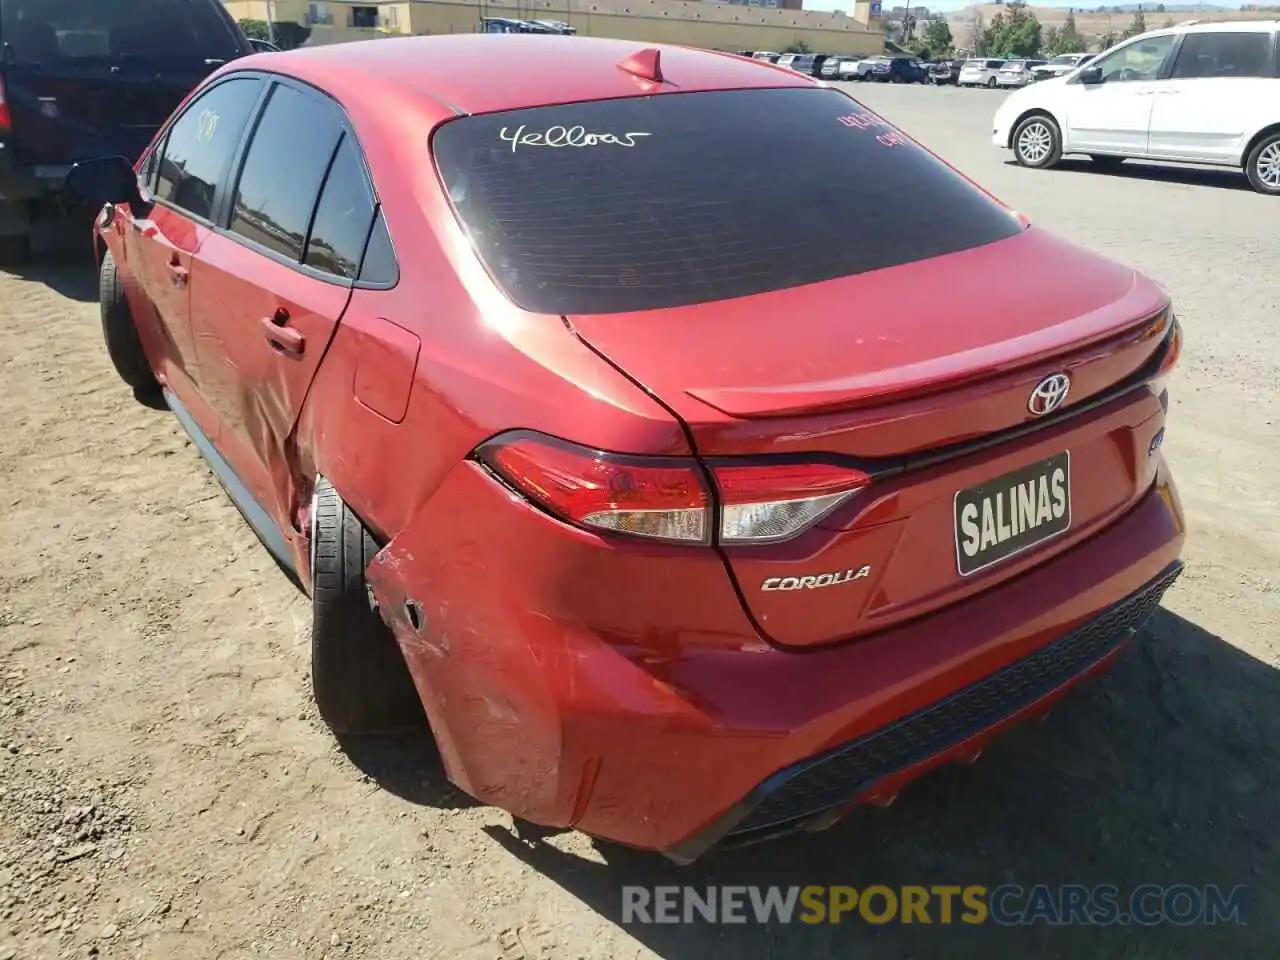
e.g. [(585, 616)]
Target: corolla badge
[(815, 582), (1049, 394)]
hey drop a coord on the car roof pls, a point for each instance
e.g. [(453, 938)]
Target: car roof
[(568, 69), (1225, 26)]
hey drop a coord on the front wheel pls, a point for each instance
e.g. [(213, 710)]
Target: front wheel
[(1037, 142), (991, 84), (120, 332), (1263, 165)]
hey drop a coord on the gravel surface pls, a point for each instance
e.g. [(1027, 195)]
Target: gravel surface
[(167, 791)]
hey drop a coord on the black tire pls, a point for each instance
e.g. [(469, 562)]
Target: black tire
[(1262, 166), (358, 674), (1037, 142), (121, 333), (1107, 164), (991, 83)]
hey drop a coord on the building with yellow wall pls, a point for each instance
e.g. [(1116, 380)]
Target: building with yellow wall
[(715, 25)]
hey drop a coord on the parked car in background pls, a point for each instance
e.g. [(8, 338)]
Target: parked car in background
[(767, 55), (847, 68), (898, 70), (1017, 73), (805, 63), (90, 78), (661, 556), (863, 68), (945, 72), (786, 59), (1061, 65), (1197, 93), (979, 73), (839, 67), (263, 46)]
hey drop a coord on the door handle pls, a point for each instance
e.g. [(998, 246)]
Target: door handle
[(283, 339), (178, 272)]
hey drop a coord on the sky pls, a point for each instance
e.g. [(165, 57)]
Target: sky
[(948, 5)]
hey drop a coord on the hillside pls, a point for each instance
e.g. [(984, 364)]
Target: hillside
[(1092, 23)]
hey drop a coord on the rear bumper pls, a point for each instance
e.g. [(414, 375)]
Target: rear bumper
[(623, 693), (20, 182), (817, 791)]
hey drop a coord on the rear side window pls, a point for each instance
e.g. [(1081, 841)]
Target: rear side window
[(285, 165), (163, 31), (1244, 54), (651, 202), (201, 142), (343, 216)]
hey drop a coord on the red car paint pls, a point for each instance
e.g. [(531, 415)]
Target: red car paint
[(639, 689)]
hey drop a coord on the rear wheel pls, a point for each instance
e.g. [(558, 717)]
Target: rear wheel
[(121, 333), (1037, 142), (991, 83), (1263, 165), (358, 674)]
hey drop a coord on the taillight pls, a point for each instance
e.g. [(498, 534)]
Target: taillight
[(1168, 325), (665, 498), (657, 497), (763, 503), (6, 121)]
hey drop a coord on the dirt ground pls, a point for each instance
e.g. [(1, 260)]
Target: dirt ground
[(167, 791)]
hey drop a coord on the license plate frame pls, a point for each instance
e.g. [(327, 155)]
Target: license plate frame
[(1002, 501)]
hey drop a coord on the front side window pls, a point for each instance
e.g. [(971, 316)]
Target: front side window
[(651, 202), (201, 143), (1244, 54), (1138, 61), (283, 169)]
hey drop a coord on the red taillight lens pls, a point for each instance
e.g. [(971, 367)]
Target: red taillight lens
[(655, 497), (664, 498), (1168, 325), (6, 121), (764, 503)]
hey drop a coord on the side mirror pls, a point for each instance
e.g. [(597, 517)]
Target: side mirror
[(104, 180), (1091, 75)]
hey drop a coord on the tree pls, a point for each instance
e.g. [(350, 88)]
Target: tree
[(937, 35), (798, 47), (978, 35), (256, 29), (1069, 39), (1107, 40), (1137, 25), (1014, 33), (287, 35)]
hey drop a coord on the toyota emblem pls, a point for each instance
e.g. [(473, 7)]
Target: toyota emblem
[(1049, 394)]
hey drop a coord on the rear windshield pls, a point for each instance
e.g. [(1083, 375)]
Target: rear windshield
[(649, 202), (165, 31)]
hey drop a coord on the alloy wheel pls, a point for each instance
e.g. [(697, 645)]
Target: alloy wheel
[(1268, 166), (1035, 142)]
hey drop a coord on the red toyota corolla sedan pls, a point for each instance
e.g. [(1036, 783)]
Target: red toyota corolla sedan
[(693, 522)]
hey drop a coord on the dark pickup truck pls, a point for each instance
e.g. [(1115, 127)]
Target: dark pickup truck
[(90, 78)]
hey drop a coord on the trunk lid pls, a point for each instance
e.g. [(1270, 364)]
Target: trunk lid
[(867, 371)]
